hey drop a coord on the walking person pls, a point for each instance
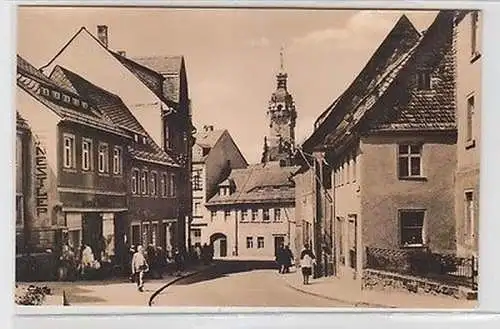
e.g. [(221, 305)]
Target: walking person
[(307, 261), (179, 262), (287, 259), (280, 259), (139, 267)]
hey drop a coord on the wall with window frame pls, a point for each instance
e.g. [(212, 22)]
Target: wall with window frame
[(384, 194)]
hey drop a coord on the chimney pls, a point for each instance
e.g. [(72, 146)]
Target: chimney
[(122, 53), (102, 34)]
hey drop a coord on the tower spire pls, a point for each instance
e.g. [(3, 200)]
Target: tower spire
[(282, 60)]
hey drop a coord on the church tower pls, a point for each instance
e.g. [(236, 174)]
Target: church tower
[(281, 113)]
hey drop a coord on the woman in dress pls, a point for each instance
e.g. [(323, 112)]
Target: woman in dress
[(307, 261)]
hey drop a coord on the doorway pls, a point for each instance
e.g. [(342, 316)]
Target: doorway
[(219, 244), (92, 232)]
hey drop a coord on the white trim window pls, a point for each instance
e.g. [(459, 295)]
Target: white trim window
[(86, 154), (164, 185), (474, 35), (154, 183), (277, 214), (69, 151), (260, 242), (255, 214), (469, 129), (265, 215), (117, 160), (135, 181), (213, 215), (103, 158), (412, 227), (173, 186), (244, 215), (227, 214), (144, 182), (410, 161), (249, 242)]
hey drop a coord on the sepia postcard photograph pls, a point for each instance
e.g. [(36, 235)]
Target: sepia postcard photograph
[(247, 157)]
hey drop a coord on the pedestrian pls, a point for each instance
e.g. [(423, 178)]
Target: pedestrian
[(197, 249), (87, 260), (179, 262), (139, 267), (307, 261), (288, 258), (280, 259)]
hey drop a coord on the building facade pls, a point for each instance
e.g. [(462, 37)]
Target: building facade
[(468, 41), (157, 100), (215, 154), (150, 173), (72, 168), (390, 143), (252, 213)]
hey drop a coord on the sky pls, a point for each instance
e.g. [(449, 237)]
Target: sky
[(232, 55)]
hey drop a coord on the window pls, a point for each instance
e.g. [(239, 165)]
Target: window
[(347, 171), (45, 92), (144, 182), (213, 214), (136, 138), (469, 216), (260, 242), (66, 99), (354, 164), (135, 235), (197, 208), (244, 215), (474, 33), (76, 101), (154, 183), (227, 213), (172, 185), (224, 190), (412, 227), (265, 215), (470, 118), (249, 242), (86, 154), (255, 214), (135, 181), (56, 94), (117, 160), (423, 80), (85, 105), (103, 158), (197, 183), (341, 173), (277, 215), (164, 185), (168, 139), (144, 140), (205, 151), (69, 151), (410, 161), (197, 233)]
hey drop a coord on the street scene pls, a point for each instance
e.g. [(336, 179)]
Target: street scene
[(253, 158)]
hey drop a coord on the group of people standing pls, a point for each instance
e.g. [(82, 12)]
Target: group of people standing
[(284, 259)]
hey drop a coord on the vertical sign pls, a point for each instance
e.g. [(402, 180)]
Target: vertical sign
[(41, 182)]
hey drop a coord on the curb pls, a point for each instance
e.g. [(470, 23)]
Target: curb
[(355, 303), (168, 284)]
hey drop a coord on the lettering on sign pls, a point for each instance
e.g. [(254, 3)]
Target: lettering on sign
[(41, 175)]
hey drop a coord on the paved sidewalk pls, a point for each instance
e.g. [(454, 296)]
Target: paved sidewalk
[(113, 292), (346, 290)]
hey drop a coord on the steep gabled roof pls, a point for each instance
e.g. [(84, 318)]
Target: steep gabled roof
[(162, 64), (424, 111), (259, 183), (396, 45), (113, 107), (32, 81)]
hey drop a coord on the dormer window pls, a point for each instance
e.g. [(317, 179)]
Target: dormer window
[(85, 105), (205, 151), (136, 138), (56, 94), (424, 80), (76, 101), (144, 140), (45, 91), (224, 191), (66, 98)]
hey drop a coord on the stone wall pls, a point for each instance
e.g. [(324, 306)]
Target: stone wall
[(386, 281)]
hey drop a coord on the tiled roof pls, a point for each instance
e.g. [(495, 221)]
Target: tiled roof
[(423, 110), (205, 139), (162, 64), (30, 80), (113, 108), (146, 75), (168, 66), (260, 183)]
